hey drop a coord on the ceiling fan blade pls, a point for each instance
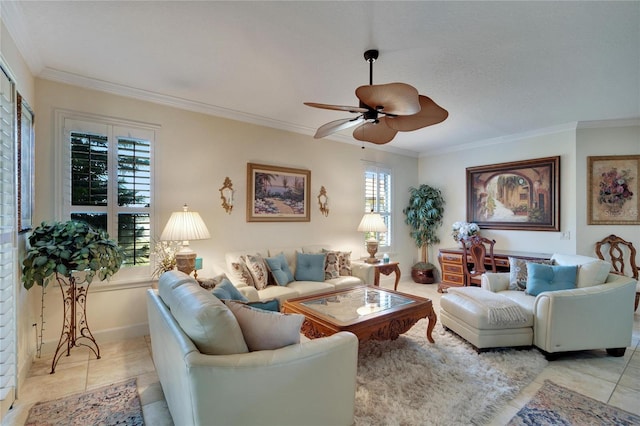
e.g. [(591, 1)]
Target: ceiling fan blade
[(430, 113), (336, 126), (336, 107), (394, 98), (378, 133)]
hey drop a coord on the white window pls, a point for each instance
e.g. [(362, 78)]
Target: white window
[(378, 198), (107, 181), (8, 214)]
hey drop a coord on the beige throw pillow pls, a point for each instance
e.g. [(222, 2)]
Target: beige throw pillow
[(258, 269), (266, 330)]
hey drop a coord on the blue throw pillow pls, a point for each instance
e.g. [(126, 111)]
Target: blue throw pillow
[(279, 269), (227, 291), (549, 278), (310, 267)]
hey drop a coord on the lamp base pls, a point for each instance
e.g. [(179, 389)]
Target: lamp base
[(186, 262), (372, 249)]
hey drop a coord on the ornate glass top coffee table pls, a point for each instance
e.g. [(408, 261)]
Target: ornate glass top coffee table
[(371, 313)]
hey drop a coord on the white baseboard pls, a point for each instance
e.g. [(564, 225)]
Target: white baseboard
[(104, 336)]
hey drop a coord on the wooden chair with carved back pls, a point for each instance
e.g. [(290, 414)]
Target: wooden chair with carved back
[(477, 252), (619, 249)]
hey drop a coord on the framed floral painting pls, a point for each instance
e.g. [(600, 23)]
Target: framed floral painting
[(277, 194), (613, 190)]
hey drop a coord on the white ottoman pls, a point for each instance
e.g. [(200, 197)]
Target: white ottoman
[(486, 319)]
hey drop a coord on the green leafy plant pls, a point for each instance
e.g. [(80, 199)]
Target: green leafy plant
[(424, 215), (58, 249)]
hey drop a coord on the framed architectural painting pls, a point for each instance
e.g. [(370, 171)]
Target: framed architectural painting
[(522, 195), (25, 164), (613, 190), (277, 194)]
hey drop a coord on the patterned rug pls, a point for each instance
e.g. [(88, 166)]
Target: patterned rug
[(556, 405), (115, 404)]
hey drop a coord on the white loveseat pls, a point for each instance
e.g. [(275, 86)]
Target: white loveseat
[(597, 314), (310, 383), (360, 274)]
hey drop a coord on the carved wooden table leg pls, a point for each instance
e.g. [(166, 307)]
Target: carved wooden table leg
[(387, 269), (432, 323)]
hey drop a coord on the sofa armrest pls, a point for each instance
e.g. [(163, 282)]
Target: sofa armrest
[(306, 377), (585, 318), (363, 271), (495, 281)]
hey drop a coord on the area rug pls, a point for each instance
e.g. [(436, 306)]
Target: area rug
[(115, 404), (409, 381), (557, 405)]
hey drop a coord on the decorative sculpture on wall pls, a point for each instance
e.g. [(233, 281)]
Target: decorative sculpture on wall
[(323, 201), (226, 195)]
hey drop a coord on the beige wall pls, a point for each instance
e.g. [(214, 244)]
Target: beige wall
[(193, 154), (447, 171)]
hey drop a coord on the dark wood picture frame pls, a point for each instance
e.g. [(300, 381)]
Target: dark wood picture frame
[(520, 195), (25, 136), (277, 194), (613, 190)]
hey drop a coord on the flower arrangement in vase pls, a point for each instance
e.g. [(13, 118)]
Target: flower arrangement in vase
[(460, 230)]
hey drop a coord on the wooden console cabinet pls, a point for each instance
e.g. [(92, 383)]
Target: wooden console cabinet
[(453, 271)]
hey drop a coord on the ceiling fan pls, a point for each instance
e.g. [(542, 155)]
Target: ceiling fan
[(384, 110)]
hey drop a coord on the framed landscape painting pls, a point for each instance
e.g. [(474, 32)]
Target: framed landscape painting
[(277, 194), (613, 190), (522, 195)]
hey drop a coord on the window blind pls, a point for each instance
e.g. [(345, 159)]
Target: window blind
[(7, 241), (377, 197)]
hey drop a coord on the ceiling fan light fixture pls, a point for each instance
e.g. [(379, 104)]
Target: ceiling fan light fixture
[(384, 110)]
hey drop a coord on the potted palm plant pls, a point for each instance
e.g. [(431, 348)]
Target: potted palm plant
[(424, 215), (71, 253)]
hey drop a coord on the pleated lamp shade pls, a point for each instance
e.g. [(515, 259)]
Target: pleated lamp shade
[(185, 226), (372, 222)]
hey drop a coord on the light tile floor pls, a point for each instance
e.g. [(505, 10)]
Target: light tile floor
[(615, 381)]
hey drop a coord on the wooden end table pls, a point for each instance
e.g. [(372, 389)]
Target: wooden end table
[(386, 269)]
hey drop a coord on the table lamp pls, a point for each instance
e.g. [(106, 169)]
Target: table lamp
[(184, 226), (372, 223)]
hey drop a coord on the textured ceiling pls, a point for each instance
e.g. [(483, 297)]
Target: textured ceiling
[(499, 68)]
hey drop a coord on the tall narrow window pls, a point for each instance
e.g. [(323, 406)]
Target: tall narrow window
[(377, 197), (8, 214), (110, 184)]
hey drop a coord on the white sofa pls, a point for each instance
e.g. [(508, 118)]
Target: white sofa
[(598, 314), (360, 275), (310, 383)]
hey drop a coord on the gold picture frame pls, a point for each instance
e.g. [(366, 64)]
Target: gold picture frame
[(520, 195), (277, 194), (613, 190)]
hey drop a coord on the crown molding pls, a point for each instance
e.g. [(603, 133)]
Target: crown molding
[(200, 107), (623, 122)]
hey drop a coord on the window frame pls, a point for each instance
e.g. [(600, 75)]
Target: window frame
[(387, 215), (67, 122)]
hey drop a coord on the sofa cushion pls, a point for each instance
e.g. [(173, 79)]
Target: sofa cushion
[(279, 269), (310, 267), (258, 269), (170, 280), (279, 292), (344, 282), (305, 288), (518, 272), (240, 274), (331, 265), (592, 271), (227, 291), (207, 321), (474, 305), (266, 330), (550, 278)]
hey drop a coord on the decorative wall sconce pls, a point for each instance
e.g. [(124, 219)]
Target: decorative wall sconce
[(323, 201), (226, 195)]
